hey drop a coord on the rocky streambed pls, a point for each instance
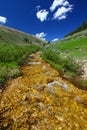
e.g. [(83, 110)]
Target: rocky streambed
[(42, 99)]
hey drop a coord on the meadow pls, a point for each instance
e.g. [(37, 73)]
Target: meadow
[(67, 56)]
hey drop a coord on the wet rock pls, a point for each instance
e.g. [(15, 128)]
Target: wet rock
[(25, 97), (50, 87), (65, 86), (31, 121), (34, 63), (76, 47), (31, 56), (60, 118), (57, 51), (78, 99), (58, 83), (50, 80), (45, 67), (0, 90), (40, 88), (60, 128), (67, 51)]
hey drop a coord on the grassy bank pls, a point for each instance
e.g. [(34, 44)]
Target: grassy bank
[(11, 58), (67, 57)]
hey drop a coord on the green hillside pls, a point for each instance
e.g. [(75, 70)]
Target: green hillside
[(80, 34), (13, 36), (79, 29), (69, 56), (15, 48)]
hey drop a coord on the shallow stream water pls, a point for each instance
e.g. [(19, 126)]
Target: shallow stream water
[(42, 99)]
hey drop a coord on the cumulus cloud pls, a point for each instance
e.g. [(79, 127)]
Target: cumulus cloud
[(42, 15), (66, 3), (61, 8), (55, 4), (3, 20), (58, 3), (56, 39), (62, 17), (61, 13), (41, 35)]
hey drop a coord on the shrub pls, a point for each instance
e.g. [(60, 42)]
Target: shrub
[(26, 40), (66, 65), (11, 57)]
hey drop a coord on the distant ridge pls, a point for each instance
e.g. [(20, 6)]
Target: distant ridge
[(13, 36), (80, 28)]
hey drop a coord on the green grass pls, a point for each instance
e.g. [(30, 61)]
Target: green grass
[(15, 47), (71, 44), (8, 70), (13, 36), (11, 58), (63, 64), (67, 57), (76, 48)]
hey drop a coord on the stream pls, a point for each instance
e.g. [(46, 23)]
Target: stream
[(42, 99)]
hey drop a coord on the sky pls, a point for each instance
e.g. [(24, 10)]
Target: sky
[(50, 20)]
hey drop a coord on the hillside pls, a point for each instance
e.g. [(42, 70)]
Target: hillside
[(69, 57), (79, 29), (15, 48), (13, 36), (80, 34)]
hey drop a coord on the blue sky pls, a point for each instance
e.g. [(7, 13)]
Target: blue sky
[(47, 19)]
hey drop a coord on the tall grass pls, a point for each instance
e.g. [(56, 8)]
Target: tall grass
[(66, 65), (11, 58), (68, 57)]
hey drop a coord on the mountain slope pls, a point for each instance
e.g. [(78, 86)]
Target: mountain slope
[(9, 35), (79, 34), (69, 56), (15, 48), (79, 29)]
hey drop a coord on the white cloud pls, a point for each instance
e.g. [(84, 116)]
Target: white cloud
[(62, 17), (38, 7), (3, 20), (62, 12), (62, 7), (66, 3), (55, 4), (56, 39), (41, 35), (42, 15)]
